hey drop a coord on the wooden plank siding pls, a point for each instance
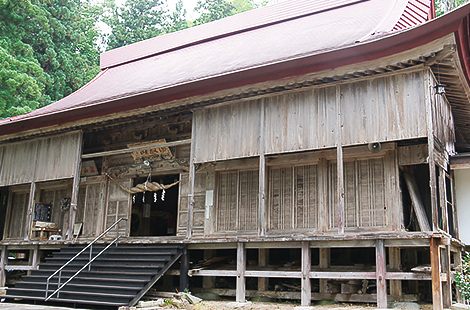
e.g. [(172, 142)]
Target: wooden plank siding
[(383, 109), (41, 159)]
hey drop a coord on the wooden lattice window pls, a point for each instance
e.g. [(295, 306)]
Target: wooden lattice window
[(365, 194), (237, 201), (293, 201)]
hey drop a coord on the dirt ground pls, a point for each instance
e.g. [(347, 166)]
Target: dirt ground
[(226, 305)]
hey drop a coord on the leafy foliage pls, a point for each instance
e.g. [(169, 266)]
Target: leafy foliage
[(443, 6), (47, 50), (462, 277), (137, 20)]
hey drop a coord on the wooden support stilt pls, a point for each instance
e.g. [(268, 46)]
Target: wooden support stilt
[(241, 269), (447, 285), (208, 282), (306, 293), (324, 263), (395, 262), (3, 262), (35, 258), (437, 303), (458, 262), (263, 261), (184, 283), (380, 274)]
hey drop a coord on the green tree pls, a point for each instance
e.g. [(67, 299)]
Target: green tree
[(47, 50), (22, 80), (177, 19), (137, 20), (462, 277), (211, 10), (443, 6)]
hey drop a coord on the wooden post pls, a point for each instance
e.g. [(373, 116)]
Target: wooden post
[(443, 199), (263, 261), (437, 303), (191, 177), (447, 285), (395, 260), (241, 268), (262, 195), (208, 282), (324, 263), (380, 274), (3, 262), (339, 166), (262, 178), (458, 262), (35, 257), (454, 209), (429, 95), (75, 188), (306, 293), (184, 268), (29, 219)]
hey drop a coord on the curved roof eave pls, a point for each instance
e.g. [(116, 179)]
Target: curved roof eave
[(389, 44)]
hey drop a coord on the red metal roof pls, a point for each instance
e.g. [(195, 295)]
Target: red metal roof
[(292, 37)]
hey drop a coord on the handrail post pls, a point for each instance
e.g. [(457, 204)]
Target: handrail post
[(58, 282), (89, 258), (117, 231)]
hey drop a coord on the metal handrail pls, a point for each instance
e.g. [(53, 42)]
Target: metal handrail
[(90, 260)]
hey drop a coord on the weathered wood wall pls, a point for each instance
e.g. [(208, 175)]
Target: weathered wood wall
[(39, 160), (382, 109)]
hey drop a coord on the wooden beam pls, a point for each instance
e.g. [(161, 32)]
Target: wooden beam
[(416, 201), (27, 234), (209, 282), (458, 262), (137, 148), (394, 256), (75, 189), (339, 161), (443, 199), (324, 263), (306, 291), (380, 274), (241, 269), (184, 268), (263, 261), (447, 285), (191, 178), (262, 196), (3, 262), (437, 303)]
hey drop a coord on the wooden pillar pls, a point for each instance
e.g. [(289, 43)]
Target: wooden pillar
[(262, 179), (3, 262), (263, 261), (380, 273), (35, 257), (184, 268), (28, 233), (192, 172), (443, 199), (306, 293), (395, 262), (447, 285), (458, 262), (75, 188), (454, 205), (241, 268), (339, 166), (208, 282), (324, 263), (437, 303)]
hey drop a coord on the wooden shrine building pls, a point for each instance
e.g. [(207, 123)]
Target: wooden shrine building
[(304, 148)]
